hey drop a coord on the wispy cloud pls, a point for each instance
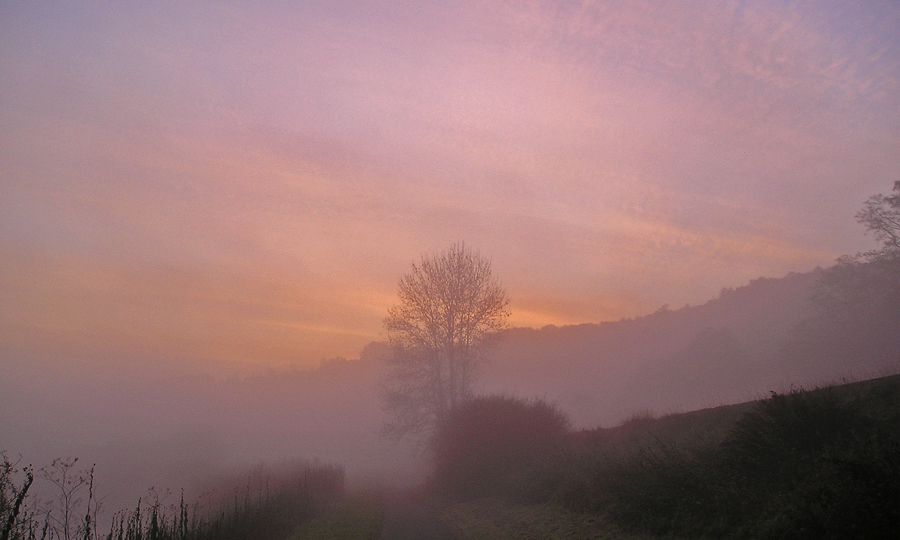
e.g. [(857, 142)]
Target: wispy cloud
[(266, 174)]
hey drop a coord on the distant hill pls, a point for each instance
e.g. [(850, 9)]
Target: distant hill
[(730, 349)]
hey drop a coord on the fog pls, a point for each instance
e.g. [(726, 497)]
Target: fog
[(205, 210), (178, 430), (144, 430)]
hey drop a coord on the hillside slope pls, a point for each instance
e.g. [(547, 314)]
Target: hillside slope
[(879, 397), (819, 463), (733, 348)]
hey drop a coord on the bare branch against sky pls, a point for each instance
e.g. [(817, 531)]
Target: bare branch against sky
[(450, 309)]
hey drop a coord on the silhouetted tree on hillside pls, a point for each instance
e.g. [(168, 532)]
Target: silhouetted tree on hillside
[(450, 307), (855, 306), (881, 216)]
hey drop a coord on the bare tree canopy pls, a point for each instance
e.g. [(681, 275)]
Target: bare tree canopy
[(451, 306), (881, 216), (854, 308)]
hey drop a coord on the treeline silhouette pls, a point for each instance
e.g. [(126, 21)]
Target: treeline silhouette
[(827, 323), (821, 464), (263, 507)]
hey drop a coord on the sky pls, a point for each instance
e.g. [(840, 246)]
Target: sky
[(219, 185)]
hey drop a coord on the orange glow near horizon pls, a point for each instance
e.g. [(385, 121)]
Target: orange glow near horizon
[(223, 185)]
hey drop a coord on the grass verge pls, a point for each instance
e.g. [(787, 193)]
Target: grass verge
[(357, 517), (495, 519)]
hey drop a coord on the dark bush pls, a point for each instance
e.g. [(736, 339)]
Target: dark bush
[(801, 465), (811, 465), (658, 490), (499, 446), (851, 493), (786, 431)]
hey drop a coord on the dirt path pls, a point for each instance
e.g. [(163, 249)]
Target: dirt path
[(408, 516)]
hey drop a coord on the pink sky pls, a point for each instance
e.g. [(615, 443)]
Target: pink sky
[(244, 186)]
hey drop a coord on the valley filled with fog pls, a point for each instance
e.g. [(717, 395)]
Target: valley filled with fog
[(181, 431)]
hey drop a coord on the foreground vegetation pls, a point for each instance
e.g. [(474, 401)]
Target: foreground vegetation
[(499, 519), (817, 464), (264, 508), (823, 463), (358, 516)]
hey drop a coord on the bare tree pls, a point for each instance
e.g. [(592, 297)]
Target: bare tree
[(855, 305), (881, 216), (450, 308)]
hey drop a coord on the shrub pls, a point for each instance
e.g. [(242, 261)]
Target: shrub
[(811, 465), (801, 465), (658, 490), (499, 446)]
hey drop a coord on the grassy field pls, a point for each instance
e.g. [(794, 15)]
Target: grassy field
[(356, 517), (496, 519)]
